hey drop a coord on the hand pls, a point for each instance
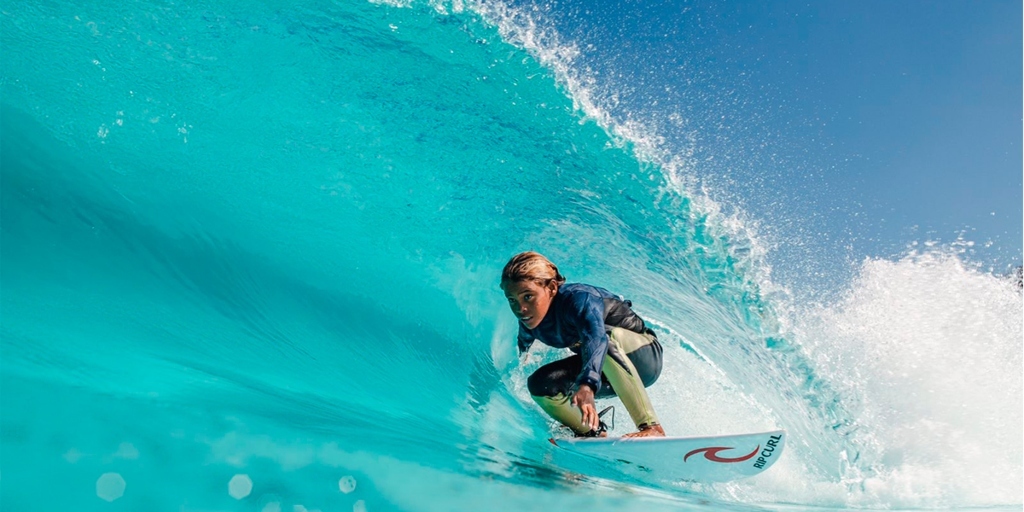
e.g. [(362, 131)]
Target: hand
[(584, 399)]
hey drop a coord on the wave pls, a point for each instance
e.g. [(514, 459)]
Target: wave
[(277, 232)]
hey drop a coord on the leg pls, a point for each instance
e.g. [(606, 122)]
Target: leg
[(624, 348), (549, 387)]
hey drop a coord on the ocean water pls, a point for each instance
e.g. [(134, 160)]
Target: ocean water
[(250, 255)]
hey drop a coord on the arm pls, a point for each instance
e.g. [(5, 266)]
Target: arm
[(589, 320)]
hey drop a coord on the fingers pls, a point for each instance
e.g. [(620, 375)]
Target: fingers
[(589, 416), (586, 406), (593, 417)]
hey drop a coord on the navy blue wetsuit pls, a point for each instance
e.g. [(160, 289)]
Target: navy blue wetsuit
[(579, 318)]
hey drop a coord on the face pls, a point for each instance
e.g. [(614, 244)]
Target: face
[(529, 301)]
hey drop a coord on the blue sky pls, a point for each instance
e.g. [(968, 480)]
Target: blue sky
[(872, 124), (928, 96)]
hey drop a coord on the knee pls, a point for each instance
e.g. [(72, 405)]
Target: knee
[(536, 383), (547, 383)]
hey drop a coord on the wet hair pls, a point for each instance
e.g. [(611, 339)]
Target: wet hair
[(530, 266)]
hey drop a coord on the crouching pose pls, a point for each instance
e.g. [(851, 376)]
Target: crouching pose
[(615, 353)]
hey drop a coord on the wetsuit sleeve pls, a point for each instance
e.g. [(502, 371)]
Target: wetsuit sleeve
[(588, 312), (525, 339)]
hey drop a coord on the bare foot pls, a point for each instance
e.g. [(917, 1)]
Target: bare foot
[(651, 431)]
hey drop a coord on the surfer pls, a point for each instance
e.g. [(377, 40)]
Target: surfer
[(615, 353)]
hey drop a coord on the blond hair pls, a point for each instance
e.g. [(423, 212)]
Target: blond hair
[(530, 266)]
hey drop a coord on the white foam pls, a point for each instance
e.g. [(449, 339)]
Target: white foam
[(929, 351)]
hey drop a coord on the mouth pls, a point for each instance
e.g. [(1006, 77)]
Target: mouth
[(525, 319)]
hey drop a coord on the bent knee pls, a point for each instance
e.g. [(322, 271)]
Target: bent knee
[(538, 384)]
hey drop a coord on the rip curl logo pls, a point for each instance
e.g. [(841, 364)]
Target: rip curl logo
[(769, 447), (711, 453)]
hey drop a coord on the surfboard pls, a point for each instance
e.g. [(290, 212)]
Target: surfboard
[(695, 459)]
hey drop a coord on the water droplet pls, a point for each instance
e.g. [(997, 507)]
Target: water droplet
[(240, 486), (110, 486), (347, 484)]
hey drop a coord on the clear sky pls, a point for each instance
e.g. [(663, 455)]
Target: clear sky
[(876, 123), (927, 96)]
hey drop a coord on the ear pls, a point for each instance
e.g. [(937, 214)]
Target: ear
[(552, 288)]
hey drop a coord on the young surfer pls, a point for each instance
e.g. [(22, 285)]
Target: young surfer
[(616, 354)]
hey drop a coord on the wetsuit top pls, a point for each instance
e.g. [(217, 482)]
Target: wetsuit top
[(579, 319)]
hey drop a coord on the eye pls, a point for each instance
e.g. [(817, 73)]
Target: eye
[(528, 297)]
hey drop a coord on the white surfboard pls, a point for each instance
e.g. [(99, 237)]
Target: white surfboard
[(697, 459)]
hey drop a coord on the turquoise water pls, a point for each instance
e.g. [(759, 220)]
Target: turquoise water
[(250, 257)]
